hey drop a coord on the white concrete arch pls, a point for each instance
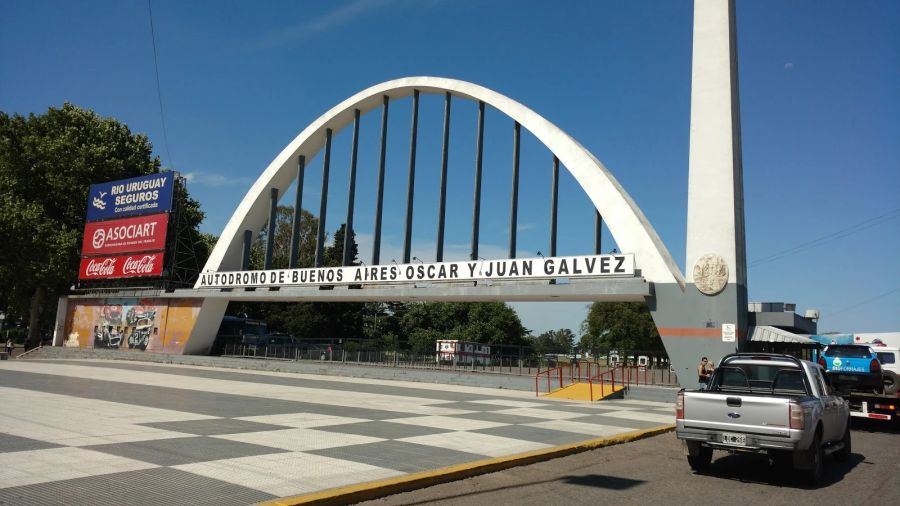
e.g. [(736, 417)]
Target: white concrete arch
[(628, 225)]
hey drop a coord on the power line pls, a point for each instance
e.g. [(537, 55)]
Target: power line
[(854, 306), (162, 115), (852, 229)]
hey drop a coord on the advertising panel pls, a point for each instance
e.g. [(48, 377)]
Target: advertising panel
[(155, 325), (135, 265), (131, 197), (126, 235)]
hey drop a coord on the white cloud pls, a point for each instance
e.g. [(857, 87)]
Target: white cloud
[(522, 227), (215, 180), (324, 23), (788, 66)]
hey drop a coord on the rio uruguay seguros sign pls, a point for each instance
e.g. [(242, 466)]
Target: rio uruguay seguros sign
[(130, 197), (507, 269)]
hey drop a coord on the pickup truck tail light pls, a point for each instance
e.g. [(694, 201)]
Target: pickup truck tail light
[(679, 406), (795, 411), (875, 366), (822, 363)]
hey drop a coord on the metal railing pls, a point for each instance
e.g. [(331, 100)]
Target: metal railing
[(498, 364), (595, 374)]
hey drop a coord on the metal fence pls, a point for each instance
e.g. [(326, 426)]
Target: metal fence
[(514, 360)]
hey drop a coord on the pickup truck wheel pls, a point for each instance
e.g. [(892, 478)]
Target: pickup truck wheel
[(891, 382), (844, 453), (701, 461), (817, 459)]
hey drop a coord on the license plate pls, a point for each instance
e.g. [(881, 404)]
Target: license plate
[(847, 377), (730, 438)]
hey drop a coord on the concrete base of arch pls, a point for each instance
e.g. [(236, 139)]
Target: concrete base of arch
[(690, 325)]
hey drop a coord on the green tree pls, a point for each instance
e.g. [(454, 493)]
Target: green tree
[(625, 326), (281, 250), (493, 323), (560, 341), (47, 164)]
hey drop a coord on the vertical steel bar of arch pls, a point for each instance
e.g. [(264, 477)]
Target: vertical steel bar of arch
[(323, 204), (554, 205), (245, 256), (598, 229), (411, 179), (270, 230), (351, 192), (298, 212), (514, 206), (443, 197), (479, 151), (379, 202)]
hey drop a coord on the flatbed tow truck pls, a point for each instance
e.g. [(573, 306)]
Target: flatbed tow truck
[(874, 406)]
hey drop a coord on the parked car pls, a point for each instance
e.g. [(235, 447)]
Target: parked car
[(765, 403)]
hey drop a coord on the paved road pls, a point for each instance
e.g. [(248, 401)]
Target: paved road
[(82, 432), (653, 471)]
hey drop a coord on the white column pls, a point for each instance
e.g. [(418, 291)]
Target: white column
[(715, 223)]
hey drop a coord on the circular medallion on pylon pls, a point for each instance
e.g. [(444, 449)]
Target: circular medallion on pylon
[(710, 274)]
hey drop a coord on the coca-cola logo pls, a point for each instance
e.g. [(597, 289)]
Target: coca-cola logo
[(141, 265), (99, 238), (104, 268)]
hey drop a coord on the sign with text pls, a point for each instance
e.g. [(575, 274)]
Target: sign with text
[(729, 331), (126, 235), (136, 265), (131, 197), (509, 269)]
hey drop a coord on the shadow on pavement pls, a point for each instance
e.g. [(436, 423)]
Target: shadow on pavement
[(756, 468)]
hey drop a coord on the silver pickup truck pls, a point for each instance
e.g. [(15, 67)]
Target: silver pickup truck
[(764, 403)]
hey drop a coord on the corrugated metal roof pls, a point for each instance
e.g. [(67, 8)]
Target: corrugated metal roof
[(767, 334)]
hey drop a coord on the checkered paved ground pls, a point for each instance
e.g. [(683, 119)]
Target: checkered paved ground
[(106, 432)]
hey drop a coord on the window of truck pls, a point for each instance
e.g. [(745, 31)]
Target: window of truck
[(886, 358), (848, 352)]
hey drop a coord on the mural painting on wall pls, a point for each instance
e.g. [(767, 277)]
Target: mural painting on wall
[(120, 325), (158, 325)]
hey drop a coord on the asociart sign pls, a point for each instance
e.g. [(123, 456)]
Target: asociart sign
[(131, 197), (126, 235), (121, 266), (506, 269)]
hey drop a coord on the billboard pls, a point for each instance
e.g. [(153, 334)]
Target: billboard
[(131, 197), (126, 235), (121, 266)]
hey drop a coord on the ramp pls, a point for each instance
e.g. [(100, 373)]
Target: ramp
[(586, 392)]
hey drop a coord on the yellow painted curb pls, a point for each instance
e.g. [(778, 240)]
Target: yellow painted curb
[(382, 488)]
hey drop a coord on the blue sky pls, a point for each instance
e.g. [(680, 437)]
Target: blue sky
[(820, 104)]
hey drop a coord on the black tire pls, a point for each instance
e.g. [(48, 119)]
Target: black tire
[(844, 453), (817, 456), (701, 462), (891, 382)]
